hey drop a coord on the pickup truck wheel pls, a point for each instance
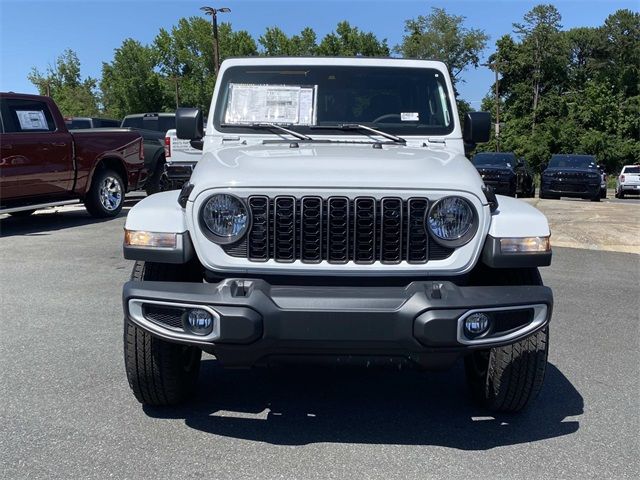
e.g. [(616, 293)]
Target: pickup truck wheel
[(158, 181), (507, 379), (160, 373), (106, 195)]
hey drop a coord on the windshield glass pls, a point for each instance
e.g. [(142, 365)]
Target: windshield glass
[(495, 159), (631, 170), (572, 161), (398, 100)]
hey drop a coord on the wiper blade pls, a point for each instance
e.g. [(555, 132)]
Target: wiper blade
[(358, 126), (298, 135)]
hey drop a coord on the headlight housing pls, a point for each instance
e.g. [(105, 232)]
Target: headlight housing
[(452, 221), (225, 218)]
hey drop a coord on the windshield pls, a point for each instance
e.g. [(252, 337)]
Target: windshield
[(631, 170), (406, 101), (572, 161), (151, 122), (495, 159)]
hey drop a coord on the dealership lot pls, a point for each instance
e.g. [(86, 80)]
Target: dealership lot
[(67, 411)]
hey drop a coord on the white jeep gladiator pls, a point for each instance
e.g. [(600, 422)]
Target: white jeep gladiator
[(334, 217)]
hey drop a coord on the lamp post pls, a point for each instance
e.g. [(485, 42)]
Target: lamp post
[(214, 22), (495, 67)]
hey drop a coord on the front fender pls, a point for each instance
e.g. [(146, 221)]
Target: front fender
[(159, 213), (515, 219)]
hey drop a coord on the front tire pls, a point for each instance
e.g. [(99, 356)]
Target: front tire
[(158, 181), (507, 379), (106, 195), (160, 373)]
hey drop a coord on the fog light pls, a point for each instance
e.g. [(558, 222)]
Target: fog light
[(476, 324), (199, 321)]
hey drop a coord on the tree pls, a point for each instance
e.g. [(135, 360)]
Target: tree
[(350, 41), (74, 96), (130, 83), (540, 35), (440, 36), (275, 42)]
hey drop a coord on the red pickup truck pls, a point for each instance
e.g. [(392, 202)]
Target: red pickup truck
[(44, 164)]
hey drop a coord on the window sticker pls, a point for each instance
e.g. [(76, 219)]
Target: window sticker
[(410, 116), (287, 104), (32, 120)]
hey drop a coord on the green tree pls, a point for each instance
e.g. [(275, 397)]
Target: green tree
[(440, 36), (275, 42), (63, 81), (130, 83), (350, 41)]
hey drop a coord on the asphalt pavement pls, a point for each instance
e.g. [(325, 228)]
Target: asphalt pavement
[(67, 412)]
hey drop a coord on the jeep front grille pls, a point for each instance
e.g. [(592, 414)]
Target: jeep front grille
[(338, 230)]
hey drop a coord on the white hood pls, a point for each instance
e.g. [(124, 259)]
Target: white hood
[(335, 166)]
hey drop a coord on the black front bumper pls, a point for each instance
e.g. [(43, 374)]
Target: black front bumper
[(257, 322), (570, 189)]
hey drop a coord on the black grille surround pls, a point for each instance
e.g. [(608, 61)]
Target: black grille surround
[(338, 229)]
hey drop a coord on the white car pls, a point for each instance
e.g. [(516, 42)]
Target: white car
[(334, 217), (628, 182), (181, 158)]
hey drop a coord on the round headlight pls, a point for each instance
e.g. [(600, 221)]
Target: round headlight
[(226, 217), (452, 221)]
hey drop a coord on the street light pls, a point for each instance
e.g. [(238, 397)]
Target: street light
[(214, 22)]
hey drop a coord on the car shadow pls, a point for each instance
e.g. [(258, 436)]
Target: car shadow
[(47, 220), (295, 406)]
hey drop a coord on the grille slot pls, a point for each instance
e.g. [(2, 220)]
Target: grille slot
[(338, 230), (417, 241), (364, 230), (284, 228)]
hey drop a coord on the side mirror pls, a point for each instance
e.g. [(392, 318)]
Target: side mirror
[(519, 162), (189, 124), (477, 127)]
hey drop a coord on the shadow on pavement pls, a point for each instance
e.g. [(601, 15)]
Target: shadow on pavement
[(295, 406), (45, 221)]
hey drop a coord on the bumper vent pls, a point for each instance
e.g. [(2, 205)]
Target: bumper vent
[(338, 230), (169, 317)]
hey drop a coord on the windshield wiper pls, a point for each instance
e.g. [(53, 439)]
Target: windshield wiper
[(357, 126), (298, 135)]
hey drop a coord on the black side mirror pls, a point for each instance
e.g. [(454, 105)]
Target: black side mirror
[(477, 127), (519, 162), (189, 124)]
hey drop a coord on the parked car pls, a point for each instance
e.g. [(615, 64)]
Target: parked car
[(78, 123), (181, 158), (505, 173), (44, 165), (575, 176), (333, 216), (628, 182), (153, 127)]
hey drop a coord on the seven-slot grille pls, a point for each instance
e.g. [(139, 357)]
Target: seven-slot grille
[(338, 230)]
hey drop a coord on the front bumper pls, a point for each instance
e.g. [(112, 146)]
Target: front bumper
[(570, 189), (256, 322)]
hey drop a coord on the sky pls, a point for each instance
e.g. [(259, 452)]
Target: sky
[(34, 33)]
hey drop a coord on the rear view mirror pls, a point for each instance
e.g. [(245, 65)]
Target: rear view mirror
[(189, 124), (477, 127)]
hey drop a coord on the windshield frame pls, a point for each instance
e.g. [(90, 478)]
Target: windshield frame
[(397, 129)]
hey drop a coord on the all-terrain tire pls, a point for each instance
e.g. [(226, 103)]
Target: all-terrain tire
[(106, 195), (507, 379), (160, 373)]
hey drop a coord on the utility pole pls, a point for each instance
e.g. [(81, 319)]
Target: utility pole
[(495, 67), (214, 23)]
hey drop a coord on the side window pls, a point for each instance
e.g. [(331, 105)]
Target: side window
[(20, 115)]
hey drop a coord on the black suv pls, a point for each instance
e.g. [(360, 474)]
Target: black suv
[(571, 176), (507, 174)]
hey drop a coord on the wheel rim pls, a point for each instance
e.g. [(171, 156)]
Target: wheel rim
[(110, 193)]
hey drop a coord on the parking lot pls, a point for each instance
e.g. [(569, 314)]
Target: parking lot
[(67, 411)]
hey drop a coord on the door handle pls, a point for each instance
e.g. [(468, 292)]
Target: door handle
[(59, 144)]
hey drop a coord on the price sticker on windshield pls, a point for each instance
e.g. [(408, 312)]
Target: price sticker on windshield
[(284, 104)]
